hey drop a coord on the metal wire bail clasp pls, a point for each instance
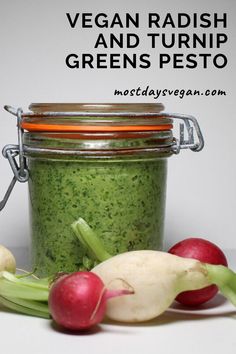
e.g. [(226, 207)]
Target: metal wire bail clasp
[(10, 152), (190, 135)]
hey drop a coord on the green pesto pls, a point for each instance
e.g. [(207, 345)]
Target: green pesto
[(122, 200)]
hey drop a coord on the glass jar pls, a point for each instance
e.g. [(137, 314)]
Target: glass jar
[(106, 163)]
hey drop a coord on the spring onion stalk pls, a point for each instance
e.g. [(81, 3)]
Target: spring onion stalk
[(219, 275)]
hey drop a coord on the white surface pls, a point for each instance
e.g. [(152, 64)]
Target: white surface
[(209, 330)]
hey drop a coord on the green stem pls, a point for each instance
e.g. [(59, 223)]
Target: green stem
[(41, 284), (24, 294), (22, 291), (41, 306), (225, 279), (31, 308), (89, 240)]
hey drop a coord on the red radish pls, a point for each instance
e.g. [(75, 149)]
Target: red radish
[(204, 251), (78, 301)]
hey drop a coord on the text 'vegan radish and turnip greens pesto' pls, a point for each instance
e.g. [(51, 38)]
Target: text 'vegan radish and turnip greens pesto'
[(123, 200)]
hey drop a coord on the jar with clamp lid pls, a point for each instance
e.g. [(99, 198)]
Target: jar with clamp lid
[(106, 163)]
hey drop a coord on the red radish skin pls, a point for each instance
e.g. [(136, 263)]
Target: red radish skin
[(204, 251), (78, 301)]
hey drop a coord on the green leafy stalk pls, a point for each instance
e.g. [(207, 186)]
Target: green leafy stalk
[(31, 308), (23, 288), (27, 295), (225, 279), (22, 291), (90, 241)]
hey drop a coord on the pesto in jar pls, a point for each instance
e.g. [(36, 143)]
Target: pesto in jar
[(123, 200)]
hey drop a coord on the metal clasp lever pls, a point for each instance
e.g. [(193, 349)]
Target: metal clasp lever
[(10, 152), (8, 192), (187, 141)]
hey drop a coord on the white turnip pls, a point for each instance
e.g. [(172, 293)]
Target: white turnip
[(157, 278), (7, 260)]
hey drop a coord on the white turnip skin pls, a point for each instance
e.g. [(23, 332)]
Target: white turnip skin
[(7, 260), (204, 251), (156, 277)]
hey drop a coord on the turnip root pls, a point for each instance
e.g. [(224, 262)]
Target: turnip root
[(7, 260), (157, 278)]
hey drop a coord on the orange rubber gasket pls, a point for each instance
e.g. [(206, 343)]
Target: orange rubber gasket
[(92, 128)]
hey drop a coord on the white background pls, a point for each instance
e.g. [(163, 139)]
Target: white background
[(35, 38)]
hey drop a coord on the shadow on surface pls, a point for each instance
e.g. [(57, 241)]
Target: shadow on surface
[(219, 307), (59, 329)]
